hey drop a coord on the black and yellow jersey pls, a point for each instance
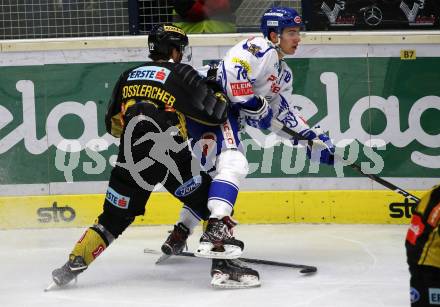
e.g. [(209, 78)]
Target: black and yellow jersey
[(423, 237), (176, 89)]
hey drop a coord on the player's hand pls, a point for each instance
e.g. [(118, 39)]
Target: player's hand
[(325, 146), (221, 107)]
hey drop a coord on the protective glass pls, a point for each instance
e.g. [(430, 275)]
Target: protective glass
[(186, 53)]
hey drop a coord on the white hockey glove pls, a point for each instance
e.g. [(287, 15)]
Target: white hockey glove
[(259, 115), (289, 118), (327, 152)]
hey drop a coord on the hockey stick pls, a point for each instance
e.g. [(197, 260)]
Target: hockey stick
[(304, 269), (354, 166)]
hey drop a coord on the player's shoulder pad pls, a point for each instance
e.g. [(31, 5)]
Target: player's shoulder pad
[(189, 75), (127, 71), (201, 104), (258, 46)]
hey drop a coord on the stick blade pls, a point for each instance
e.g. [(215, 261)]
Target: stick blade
[(309, 270)]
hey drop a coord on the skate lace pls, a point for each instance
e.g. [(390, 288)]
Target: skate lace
[(238, 269), (219, 231), (235, 268), (177, 238), (238, 263)]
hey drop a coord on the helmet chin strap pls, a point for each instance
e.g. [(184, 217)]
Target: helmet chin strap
[(277, 46)]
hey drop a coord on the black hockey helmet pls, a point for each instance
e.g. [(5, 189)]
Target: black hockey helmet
[(164, 37)]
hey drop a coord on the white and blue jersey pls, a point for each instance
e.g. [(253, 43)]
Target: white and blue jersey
[(252, 68), (209, 141)]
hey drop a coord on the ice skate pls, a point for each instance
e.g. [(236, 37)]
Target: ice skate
[(217, 241), (69, 271), (175, 243), (233, 274)]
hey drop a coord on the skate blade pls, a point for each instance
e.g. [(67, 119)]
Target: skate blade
[(53, 285), (222, 281), (205, 251), (50, 287), (162, 258)]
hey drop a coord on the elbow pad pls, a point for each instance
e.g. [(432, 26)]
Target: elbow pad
[(257, 113)]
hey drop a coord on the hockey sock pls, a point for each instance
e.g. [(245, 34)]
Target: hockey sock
[(92, 243), (189, 218)]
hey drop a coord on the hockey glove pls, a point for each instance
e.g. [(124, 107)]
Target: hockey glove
[(257, 113), (221, 107), (327, 151)]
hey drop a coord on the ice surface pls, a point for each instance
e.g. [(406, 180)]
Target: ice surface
[(358, 265)]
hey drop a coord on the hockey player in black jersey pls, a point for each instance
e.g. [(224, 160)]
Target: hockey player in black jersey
[(423, 251), (147, 110)]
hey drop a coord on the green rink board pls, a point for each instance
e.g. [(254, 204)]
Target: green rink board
[(41, 105)]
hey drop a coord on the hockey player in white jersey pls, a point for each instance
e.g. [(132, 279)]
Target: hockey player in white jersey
[(259, 84), (258, 80)]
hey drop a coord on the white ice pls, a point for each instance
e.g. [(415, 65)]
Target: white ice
[(358, 265)]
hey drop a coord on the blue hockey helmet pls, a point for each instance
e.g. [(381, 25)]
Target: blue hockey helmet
[(276, 19)]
